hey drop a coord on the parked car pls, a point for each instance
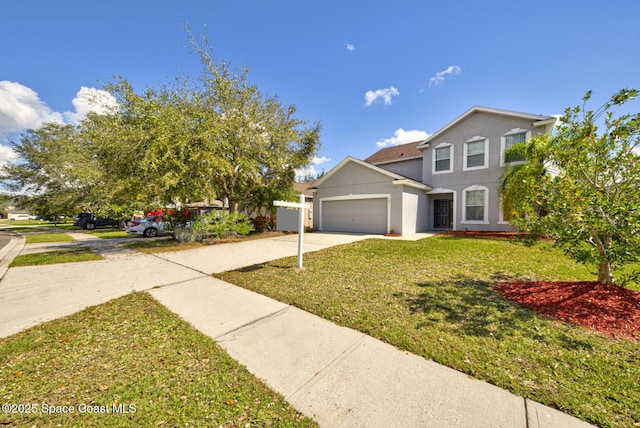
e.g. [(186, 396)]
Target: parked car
[(148, 227), (89, 221), (23, 217)]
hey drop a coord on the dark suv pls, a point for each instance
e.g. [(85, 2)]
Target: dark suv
[(89, 221)]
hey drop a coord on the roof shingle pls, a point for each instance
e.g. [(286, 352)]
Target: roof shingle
[(395, 153)]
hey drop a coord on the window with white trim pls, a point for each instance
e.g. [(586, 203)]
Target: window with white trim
[(512, 137), (475, 153), (443, 158), (475, 205)]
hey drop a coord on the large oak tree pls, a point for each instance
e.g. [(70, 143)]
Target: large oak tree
[(216, 136)]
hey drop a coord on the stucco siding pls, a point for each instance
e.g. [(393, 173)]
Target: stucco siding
[(487, 126), (414, 207), (411, 168)]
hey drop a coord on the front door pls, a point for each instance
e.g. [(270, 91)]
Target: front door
[(442, 213)]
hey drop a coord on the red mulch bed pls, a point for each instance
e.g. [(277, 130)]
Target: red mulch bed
[(607, 309)]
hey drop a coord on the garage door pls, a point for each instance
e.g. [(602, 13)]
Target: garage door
[(355, 215)]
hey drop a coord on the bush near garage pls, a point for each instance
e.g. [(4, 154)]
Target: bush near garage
[(222, 225), (261, 223)]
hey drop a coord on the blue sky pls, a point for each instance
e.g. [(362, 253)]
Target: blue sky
[(373, 73)]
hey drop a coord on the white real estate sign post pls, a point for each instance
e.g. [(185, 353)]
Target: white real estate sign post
[(300, 207)]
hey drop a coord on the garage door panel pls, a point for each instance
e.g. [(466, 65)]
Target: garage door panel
[(355, 215)]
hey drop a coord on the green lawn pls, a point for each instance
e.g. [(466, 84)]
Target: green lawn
[(7, 222), (38, 227), (69, 226), (37, 238), (434, 298), (109, 233), (70, 255), (133, 353)]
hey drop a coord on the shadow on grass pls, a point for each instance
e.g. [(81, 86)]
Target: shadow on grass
[(469, 307), (251, 268), (260, 266)]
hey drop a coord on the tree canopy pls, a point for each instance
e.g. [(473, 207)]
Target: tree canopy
[(214, 137), (56, 172), (581, 187)]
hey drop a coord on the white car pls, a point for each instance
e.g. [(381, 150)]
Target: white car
[(149, 227), (23, 217)]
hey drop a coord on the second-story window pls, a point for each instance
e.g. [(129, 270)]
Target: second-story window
[(443, 159), (475, 153), (509, 139)]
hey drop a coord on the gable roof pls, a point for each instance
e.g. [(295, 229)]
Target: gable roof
[(395, 153), (397, 178), (479, 109)]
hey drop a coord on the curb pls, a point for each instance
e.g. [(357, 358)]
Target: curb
[(10, 251)]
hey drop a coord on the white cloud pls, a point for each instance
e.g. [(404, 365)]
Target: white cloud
[(320, 160), (380, 95), (350, 47), (403, 137), (21, 107), (90, 100), (7, 154), (311, 171), (439, 77)]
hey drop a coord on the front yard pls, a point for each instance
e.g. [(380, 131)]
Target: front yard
[(130, 362), (435, 298)]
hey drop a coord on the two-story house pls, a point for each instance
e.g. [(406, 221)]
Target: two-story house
[(448, 181)]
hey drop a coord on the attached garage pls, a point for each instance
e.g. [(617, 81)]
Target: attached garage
[(365, 214), (358, 197)]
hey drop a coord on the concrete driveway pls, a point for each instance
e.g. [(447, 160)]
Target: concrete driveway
[(34, 294), (221, 258)]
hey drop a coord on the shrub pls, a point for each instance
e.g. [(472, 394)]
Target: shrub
[(261, 223), (176, 219), (223, 224)]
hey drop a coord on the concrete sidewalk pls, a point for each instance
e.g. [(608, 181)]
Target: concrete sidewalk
[(335, 375), (341, 377), (34, 294)]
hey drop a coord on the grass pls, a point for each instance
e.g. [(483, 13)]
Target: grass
[(37, 238), (64, 226), (52, 257), (39, 227), (109, 233), (162, 245), (168, 244), (135, 353), (24, 229), (22, 222), (434, 298)]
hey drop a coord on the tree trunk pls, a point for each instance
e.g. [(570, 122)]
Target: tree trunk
[(605, 274)]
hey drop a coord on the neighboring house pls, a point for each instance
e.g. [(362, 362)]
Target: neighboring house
[(447, 182), (9, 211)]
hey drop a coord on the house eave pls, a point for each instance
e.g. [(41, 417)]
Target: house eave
[(411, 183), (550, 121), (537, 119)]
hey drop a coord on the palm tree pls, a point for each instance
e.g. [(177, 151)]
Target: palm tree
[(528, 165)]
